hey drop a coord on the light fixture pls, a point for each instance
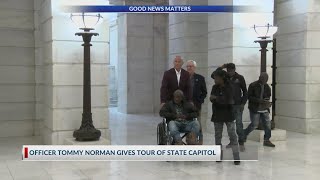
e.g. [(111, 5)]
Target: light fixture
[(266, 31), (86, 21)]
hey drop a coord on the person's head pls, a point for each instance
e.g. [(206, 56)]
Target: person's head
[(231, 69), (220, 77), (191, 66), (263, 78), (178, 62), (178, 96)]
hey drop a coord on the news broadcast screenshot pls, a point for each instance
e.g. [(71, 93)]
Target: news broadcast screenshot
[(159, 89)]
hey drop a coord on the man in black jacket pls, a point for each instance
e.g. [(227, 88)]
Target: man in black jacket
[(198, 85), (240, 96), (259, 103), (199, 88), (181, 115)]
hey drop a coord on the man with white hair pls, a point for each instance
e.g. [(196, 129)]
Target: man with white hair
[(174, 79), (198, 85), (199, 88)]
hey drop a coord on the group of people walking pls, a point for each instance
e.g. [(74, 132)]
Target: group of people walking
[(184, 91)]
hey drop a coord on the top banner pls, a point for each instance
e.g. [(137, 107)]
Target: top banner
[(160, 9)]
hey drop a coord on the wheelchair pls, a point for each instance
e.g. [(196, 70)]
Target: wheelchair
[(164, 137)]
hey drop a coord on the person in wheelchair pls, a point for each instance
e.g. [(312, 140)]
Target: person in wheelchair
[(181, 117)]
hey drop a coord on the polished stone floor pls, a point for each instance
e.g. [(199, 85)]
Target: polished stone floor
[(296, 159)]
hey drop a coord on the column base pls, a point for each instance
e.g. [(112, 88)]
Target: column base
[(87, 134), (72, 141)]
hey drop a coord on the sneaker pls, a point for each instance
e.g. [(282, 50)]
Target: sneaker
[(268, 144), (236, 162)]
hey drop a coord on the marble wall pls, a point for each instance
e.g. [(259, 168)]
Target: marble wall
[(17, 69), (113, 68), (298, 88)]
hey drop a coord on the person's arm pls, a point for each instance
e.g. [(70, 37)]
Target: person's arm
[(192, 112), (212, 96), (189, 89), (243, 87), (269, 91), (251, 96), (269, 101), (164, 88), (203, 89), (227, 98), (166, 112), (216, 100)]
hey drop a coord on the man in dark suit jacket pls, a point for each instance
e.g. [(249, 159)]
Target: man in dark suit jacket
[(198, 84), (199, 89), (174, 79)]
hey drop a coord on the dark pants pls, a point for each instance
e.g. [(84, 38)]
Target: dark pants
[(218, 128), (238, 111), (255, 119)]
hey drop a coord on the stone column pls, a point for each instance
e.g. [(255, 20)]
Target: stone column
[(17, 69), (298, 98), (113, 68), (142, 59), (63, 75), (188, 37)]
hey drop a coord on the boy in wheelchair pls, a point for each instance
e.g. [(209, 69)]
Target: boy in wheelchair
[(181, 117)]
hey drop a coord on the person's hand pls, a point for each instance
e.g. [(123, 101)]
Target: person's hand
[(262, 101), (161, 105), (269, 104), (212, 97), (224, 66), (191, 103), (242, 107), (181, 116), (266, 101)]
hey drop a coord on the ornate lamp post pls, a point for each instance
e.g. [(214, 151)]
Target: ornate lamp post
[(86, 22), (264, 34)]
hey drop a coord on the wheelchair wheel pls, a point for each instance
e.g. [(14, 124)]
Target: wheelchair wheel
[(161, 134), (200, 138)]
